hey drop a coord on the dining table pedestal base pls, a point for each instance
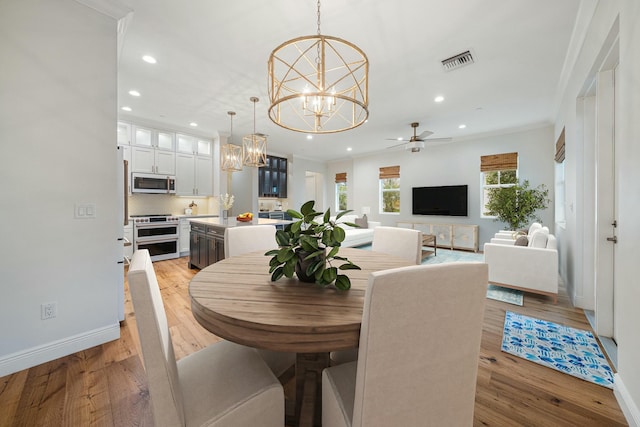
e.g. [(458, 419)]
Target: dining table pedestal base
[(308, 407)]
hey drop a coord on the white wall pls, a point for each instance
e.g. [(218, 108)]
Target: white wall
[(298, 168), (57, 127), (456, 163), (579, 186)]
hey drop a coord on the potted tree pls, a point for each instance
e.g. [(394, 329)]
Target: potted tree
[(517, 205), (303, 247)]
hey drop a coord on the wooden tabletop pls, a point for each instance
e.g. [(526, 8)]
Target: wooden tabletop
[(236, 300)]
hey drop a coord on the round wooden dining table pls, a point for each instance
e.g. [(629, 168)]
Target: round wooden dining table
[(236, 300)]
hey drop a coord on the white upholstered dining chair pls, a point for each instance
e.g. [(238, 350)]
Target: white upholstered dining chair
[(224, 384), (250, 238), (401, 242), (419, 349)]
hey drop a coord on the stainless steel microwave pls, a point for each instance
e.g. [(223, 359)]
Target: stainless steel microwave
[(150, 183)]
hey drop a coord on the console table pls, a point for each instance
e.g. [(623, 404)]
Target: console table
[(450, 236)]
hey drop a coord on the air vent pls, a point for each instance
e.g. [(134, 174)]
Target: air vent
[(457, 61)]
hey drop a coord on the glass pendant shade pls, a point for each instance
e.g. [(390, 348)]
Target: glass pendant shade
[(254, 146), (231, 154), (231, 158), (254, 149)]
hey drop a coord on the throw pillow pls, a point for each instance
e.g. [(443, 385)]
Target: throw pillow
[(362, 222), (538, 240), (522, 241)]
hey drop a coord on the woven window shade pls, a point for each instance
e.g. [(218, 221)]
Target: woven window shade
[(499, 162), (560, 148), (341, 177), (390, 172)]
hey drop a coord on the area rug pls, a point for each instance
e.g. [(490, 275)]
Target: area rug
[(568, 350), (511, 296)]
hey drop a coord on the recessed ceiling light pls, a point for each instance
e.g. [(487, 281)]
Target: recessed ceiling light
[(349, 148), (462, 126), (309, 136), (126, 108), (134, 93), (150, 59), (439, 98), (194, 124)]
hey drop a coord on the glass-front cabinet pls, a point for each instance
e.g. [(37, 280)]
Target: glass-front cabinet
[(272, 178)]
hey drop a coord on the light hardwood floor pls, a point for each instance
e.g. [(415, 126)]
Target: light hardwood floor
[(106, 385)]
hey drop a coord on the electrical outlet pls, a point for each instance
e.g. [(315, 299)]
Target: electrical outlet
[(48, 310)]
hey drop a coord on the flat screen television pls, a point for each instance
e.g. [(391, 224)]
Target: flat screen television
[(445, 200)]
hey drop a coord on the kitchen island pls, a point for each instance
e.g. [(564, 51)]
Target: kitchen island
[(206, 242)]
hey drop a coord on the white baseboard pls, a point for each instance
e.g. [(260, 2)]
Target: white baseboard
[(628, 406), (45, 353)]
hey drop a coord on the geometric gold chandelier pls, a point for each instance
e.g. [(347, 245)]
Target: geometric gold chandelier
[(230, 154), (254, 146), (318, 84)]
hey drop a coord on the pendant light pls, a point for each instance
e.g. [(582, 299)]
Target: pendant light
[(230, 154), (318, 84), (254, 146)]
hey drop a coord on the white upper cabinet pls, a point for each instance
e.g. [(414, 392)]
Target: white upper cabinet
[(166, 140), (194, 175), (191, 145), (148, 137), (124, 133), (152, 160)]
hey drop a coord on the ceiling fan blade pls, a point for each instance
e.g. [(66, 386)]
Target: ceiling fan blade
[(396, 139), (437, 140), (424, 134), (397, 145)]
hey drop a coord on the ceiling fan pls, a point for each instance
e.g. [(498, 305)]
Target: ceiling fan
[(416, 142)]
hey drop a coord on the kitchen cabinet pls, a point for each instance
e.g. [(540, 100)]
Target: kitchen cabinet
[(191, 145), (194, 166), (153, 160), (152, 151), (272, 178), (275, 215), (148, 137), (124, 133), (128, 241), (206, 245), (184, 236), (194, 175)]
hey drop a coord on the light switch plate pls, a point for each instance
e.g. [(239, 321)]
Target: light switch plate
[(84, 211)]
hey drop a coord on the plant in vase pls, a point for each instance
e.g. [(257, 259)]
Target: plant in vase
[(303, 247), (517, 205), (227, 203)]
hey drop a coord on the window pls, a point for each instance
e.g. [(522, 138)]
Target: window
[(497, 170), (390, 189), (341, 191)]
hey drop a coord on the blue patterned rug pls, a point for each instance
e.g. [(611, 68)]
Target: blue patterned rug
[(569, 350), (511, 296)]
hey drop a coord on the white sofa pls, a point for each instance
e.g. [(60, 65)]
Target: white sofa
[(532, 268), (356, 236), (508, 237)]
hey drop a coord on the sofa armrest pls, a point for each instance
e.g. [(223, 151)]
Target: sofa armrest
[(374, 224), (523, 266)]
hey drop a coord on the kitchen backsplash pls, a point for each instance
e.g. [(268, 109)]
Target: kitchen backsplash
[(145, 204), (271, 204)]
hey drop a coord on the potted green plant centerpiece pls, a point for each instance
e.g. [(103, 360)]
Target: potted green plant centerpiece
[(517, 205), (303, 246)]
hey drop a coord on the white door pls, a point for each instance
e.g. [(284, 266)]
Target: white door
[(606, 192)]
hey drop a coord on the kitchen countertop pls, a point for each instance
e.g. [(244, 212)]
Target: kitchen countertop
[(232, 222)]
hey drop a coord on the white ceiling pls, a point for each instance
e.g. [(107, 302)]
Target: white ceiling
[(212, 57)]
